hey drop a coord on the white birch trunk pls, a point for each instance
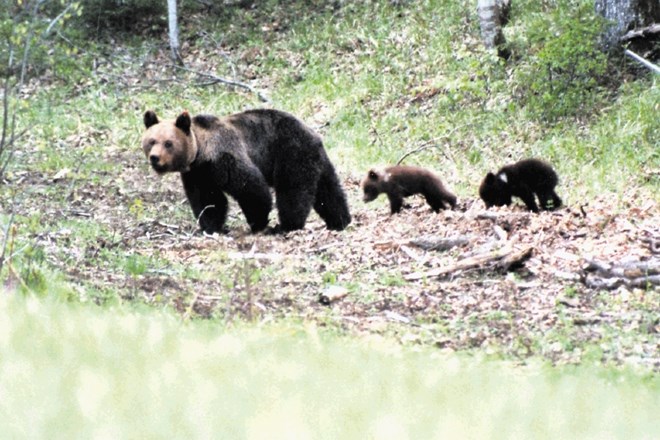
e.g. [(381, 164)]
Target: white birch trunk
[(173, 26), (490, 20)]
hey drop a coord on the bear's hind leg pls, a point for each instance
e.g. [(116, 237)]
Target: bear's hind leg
[(293, 207), (330, 201), (545, 197), (439, 198), (556, 201), (294, 195)]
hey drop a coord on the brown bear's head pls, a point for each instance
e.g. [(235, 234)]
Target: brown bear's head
[(495, 190), (372, 185), (169, 145)]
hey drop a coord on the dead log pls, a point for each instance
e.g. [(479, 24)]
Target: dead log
[(516, 256), (631, 269), (635, 274), (644, 282), (434, 243)]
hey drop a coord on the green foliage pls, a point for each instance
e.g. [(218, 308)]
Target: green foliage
[(29, 32), (136, 264), (566, 69), (102, 16)]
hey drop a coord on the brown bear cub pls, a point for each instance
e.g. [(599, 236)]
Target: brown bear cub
[(403, 181), (243, 155), (522, 179)]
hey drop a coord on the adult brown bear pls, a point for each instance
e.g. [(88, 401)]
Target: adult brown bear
[(242, 155)]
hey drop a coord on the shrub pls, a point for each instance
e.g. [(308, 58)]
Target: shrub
[(123, 15), (567, 70)]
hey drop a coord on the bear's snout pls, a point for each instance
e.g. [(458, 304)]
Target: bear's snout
[(154, 159)]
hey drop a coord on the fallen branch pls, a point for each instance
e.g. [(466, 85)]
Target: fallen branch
[(424, 146), (428, 144), (427, 243), (515, 259), (216, 79), (510, 258), (632, 269), (653, 243), (643, 61), (641, 33)]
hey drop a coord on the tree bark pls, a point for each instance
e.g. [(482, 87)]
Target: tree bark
[(173, 25), (493, 14), (625, 16)]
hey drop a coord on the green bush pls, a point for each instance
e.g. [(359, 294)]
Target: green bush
[(567, 70), (38, 36)]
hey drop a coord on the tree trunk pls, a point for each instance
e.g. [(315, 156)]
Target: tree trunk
[(173, 26), (626, 15), (493, 14)]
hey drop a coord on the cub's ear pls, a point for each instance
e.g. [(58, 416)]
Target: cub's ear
[(373, 175), (150, 118), (490, 178), (183, 122)]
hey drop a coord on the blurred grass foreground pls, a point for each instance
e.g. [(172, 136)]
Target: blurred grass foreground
[(72, 371)]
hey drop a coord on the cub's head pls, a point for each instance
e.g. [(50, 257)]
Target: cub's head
[(372, 185), (169, 145), (494, 190)]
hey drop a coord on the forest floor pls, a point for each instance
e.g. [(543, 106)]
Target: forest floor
[(381, 276)]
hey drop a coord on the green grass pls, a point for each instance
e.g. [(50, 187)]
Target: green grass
[(80, 372)]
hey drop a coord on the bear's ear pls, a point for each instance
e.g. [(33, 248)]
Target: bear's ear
[(490, 178), (373, 175), (150, 118), (183, 122)]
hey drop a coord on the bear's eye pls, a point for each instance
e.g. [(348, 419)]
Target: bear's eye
[(168, 145)]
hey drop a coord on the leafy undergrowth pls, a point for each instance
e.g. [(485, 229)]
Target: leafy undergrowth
[(83, 372)]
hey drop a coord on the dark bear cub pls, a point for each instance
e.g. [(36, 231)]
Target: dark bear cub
[(523, 179), (403, 181), (242, 155)]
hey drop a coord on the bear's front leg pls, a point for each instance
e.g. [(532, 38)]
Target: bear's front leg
[(396, 201), (209, 205)]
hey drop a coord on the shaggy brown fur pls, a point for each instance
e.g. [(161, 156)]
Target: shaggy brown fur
[(243, 155), (403, 181)]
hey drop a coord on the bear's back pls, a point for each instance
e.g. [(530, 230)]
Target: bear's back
[(264, 137), (532, 172), (412, 180)]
